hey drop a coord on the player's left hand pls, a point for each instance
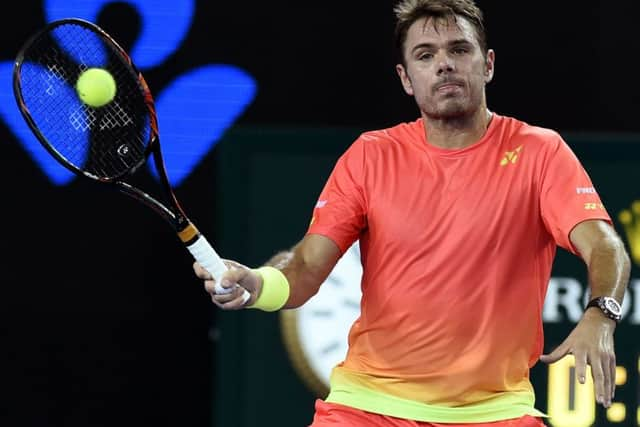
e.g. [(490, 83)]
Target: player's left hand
[(591, 342)]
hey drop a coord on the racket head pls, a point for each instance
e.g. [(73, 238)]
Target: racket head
[(102, 143)]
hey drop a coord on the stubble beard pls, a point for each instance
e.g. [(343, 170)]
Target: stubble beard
[(450, 109)]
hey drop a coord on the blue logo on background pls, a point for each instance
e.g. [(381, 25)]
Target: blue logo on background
[(194, 110)]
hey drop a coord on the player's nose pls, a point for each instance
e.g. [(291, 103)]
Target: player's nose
[(444, 63)]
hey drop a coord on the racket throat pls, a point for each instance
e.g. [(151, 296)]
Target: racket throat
[(189, 234)]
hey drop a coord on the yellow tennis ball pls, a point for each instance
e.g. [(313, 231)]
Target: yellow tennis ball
[(96, 87)]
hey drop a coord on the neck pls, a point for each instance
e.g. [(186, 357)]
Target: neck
[(459, 132)]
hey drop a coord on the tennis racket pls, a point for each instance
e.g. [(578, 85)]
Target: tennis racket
[(106, 144)]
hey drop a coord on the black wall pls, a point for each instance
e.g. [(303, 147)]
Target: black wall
[(568, 65)]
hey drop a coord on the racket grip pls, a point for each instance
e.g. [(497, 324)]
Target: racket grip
[(209, 259)]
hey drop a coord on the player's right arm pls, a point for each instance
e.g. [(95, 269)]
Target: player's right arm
[(305, 266), (293, 277)]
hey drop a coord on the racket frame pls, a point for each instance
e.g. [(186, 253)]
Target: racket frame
[(175, 215)]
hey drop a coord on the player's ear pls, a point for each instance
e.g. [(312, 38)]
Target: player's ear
[(489, 66), (404, 79)]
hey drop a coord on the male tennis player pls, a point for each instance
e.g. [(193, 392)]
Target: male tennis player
[(458, 215)]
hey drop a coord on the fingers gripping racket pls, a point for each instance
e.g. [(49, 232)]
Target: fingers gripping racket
[(106, 143)]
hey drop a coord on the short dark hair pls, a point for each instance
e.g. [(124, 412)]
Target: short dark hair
[(410, 11)]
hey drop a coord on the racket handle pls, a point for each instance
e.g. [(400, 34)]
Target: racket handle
[(209, 259)]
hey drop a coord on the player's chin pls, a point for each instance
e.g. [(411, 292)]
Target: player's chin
[(450, 109)]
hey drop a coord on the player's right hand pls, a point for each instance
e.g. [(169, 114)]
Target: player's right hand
[(239, 278)]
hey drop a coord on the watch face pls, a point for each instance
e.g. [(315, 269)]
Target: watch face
[(612, 305)]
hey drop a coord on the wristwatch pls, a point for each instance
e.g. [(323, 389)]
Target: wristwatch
[(609, 306)]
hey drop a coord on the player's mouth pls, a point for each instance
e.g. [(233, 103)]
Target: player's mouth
[(448, 87)]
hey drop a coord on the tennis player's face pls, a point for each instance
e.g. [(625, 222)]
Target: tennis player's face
[(446, 70)]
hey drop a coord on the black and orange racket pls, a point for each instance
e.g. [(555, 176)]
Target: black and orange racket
[(106, 143)]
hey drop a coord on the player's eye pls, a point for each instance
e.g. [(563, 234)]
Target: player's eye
[(425, 56), (460, 50)]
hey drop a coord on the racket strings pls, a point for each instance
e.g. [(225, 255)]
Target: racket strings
[(105, 142)]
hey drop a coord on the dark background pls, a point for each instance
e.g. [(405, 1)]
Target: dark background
[(101, 320), (568, 65)]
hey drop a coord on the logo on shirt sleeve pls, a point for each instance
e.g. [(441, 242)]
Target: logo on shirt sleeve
[(594, 206), (319, 205), (585, 190)]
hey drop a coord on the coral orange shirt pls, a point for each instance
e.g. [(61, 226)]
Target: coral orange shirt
[(457, 248)]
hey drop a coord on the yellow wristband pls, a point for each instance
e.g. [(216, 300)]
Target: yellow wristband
[(275, 290)]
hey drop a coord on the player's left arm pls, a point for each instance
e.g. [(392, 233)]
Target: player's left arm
[(591, 341)]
